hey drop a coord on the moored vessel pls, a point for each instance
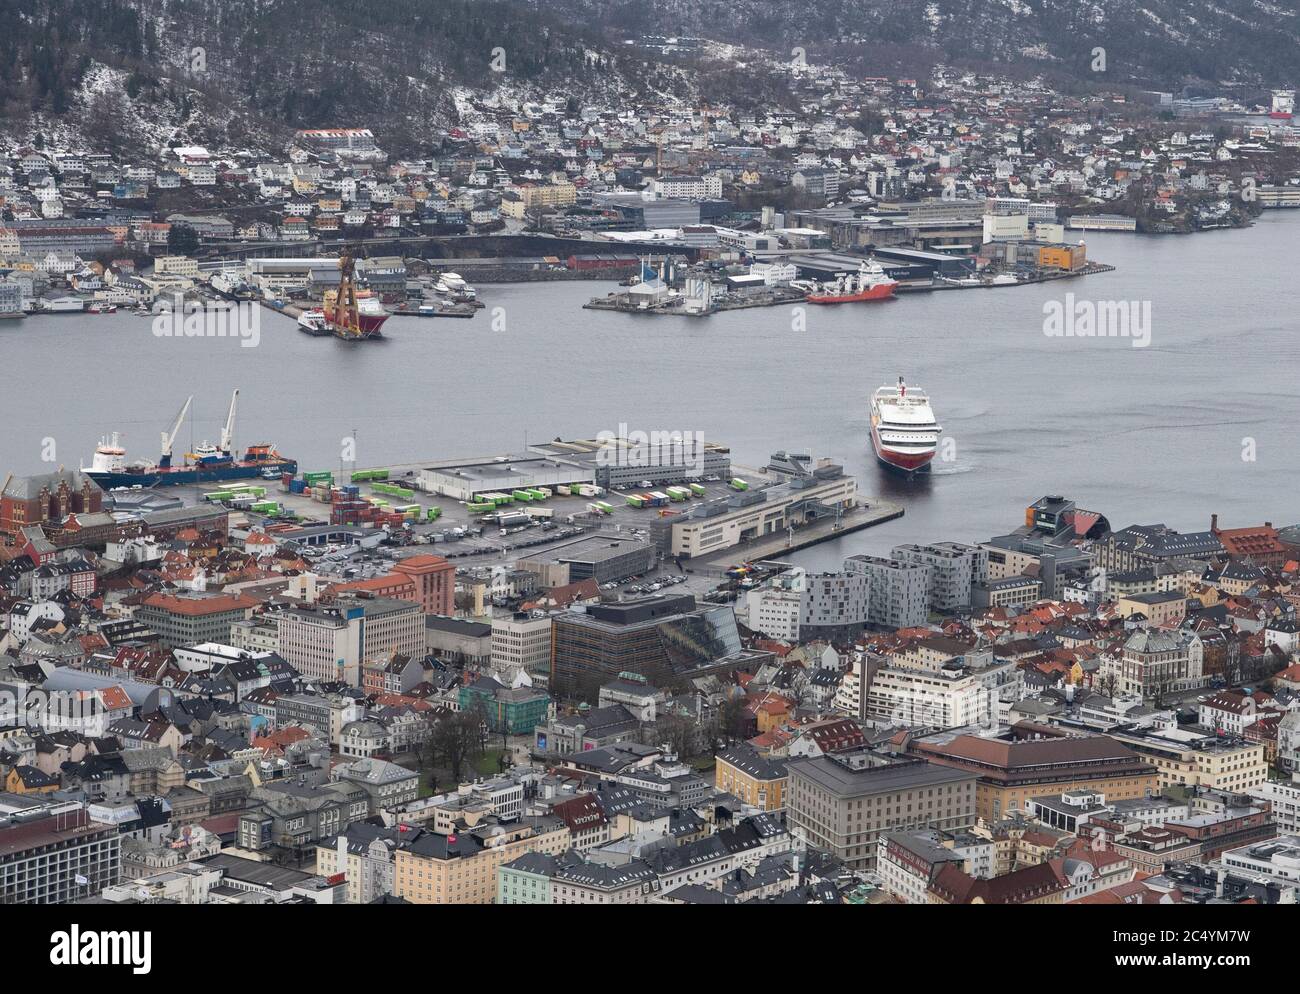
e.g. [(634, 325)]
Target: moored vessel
[(348, 314), (868, 283), (109, 467)]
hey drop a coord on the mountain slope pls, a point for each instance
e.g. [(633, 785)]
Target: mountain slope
[(268, 65), (232, 72), (1163, 42)]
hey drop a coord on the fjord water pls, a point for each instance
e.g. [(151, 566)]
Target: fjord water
[(1140, 434)]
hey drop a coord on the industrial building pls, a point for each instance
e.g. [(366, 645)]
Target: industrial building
[(727, 521), (466, 480), (599, 557), (829, 266), (626, 459), (936, 224), (623, 460)]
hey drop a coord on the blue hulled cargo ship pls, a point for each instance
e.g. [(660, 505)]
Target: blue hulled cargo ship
[(207, 463)]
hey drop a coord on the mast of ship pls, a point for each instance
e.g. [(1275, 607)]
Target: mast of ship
[(169, 437), (228, 432)]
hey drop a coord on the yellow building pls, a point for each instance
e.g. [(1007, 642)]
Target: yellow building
[(461, 868), (548, 195), (1160, 608), (1011, 771), (1183, 757), (30, 780), (1062, 256), (756, 780)]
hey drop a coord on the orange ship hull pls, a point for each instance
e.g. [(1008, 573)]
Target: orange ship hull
[(882, 291)]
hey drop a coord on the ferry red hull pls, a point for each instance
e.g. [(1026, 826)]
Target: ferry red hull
[(882, 292), (905, 462)]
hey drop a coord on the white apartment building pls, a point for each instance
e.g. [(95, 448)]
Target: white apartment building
[(1284, 796), (176, 265), (932, 700), (320, 643), (899, 591), (1277, 859), (329, 642), (525, 642), (797, 605), (954, 569)]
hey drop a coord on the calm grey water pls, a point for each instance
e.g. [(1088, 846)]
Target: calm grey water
[(1138, 434)]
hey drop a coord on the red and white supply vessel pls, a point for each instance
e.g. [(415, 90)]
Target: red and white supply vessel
[(904, 433), (868, 283)]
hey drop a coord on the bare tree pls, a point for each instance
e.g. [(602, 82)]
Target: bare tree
[(457, 737)]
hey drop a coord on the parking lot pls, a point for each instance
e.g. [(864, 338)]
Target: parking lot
[(477, 541)]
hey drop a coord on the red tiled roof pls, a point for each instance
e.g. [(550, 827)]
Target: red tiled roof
[(197, 606)]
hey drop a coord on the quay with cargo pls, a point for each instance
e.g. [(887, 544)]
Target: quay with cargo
[(826, 279), (208, 462), (701, 511)]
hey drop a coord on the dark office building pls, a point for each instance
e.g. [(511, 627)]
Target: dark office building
[(602, 558), (666, 639)]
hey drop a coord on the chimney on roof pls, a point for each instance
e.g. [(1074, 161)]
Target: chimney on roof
[(1214, 522)]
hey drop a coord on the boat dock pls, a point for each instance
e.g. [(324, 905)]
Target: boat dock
[(450, 311), (1046, 276), (786, 296), (775, 297), (873, 511)]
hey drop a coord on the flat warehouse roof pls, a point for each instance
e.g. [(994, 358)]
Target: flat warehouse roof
[(493, 470)]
